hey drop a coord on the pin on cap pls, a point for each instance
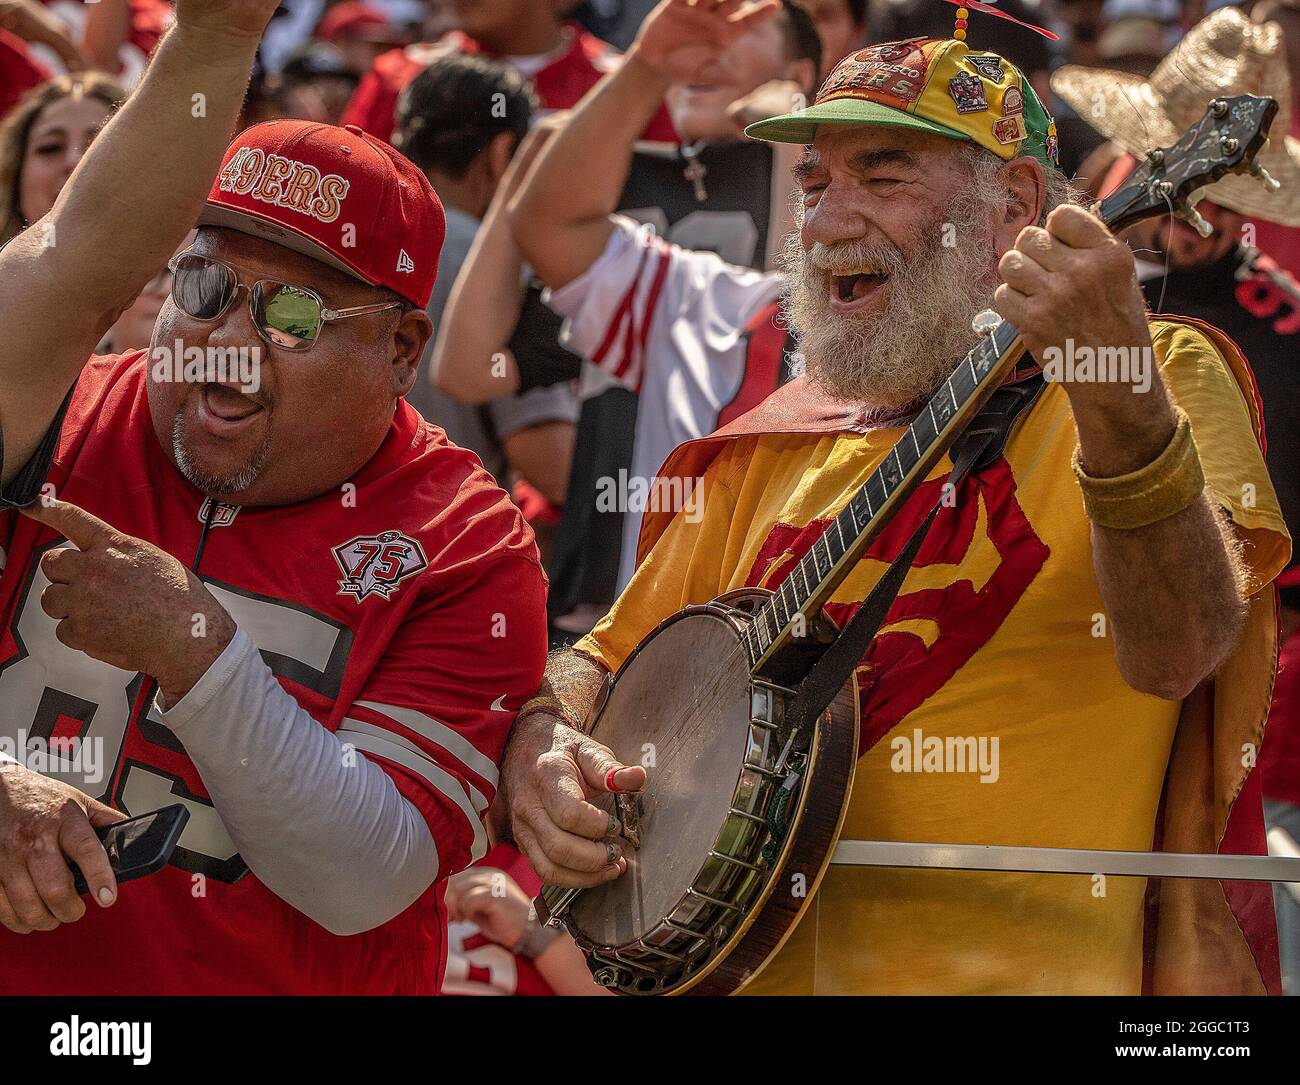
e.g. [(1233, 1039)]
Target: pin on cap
[(934, 85)]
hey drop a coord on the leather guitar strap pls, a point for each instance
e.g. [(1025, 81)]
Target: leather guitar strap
[(978, 446)]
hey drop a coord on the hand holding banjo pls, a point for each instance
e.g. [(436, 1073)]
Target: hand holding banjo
[(557, 771)]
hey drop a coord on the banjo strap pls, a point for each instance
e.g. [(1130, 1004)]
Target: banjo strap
[(979, 445)]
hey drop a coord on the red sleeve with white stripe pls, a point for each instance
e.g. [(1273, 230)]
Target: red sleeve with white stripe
[(437, 710), (352, 827)]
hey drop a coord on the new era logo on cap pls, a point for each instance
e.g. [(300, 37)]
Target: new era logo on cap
[(336, 195)]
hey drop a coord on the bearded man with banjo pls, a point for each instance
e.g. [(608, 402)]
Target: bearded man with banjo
[(1093, 590)]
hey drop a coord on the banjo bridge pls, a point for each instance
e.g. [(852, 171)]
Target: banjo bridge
[(627, 812)]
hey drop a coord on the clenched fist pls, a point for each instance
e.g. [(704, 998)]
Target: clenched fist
[(129, 604), (1072, 280)]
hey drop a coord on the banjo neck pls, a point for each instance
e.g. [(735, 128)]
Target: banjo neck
[(927, 438)]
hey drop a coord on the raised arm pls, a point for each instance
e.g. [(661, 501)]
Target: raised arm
[(108, 25), (1164, 556), (561, 217), (140, 187)]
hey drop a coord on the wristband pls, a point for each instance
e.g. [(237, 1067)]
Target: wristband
[(552, 706), (1164, 487)]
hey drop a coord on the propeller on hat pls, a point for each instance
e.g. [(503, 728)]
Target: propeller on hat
[(989, 9)]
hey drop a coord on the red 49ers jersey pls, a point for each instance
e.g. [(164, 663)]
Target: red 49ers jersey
[(405, 612)]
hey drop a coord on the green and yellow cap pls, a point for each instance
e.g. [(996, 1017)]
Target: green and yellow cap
[(931, 85)]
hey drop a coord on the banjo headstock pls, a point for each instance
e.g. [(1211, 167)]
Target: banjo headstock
[(1225, 140)]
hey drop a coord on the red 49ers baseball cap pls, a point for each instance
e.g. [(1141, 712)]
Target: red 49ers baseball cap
[(336, 195)]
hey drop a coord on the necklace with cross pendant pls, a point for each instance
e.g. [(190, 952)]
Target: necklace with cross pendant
[(695, 171)]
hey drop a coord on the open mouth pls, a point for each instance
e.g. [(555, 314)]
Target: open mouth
[(224, 411), (851, 291)]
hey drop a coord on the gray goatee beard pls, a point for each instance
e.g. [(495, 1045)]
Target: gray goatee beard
[(900, 356), (211, 484)]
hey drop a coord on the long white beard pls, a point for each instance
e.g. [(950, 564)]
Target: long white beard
[(892, 360)]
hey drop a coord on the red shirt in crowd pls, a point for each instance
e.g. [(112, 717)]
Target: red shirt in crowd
[(149, 21), (478, 966), (1279, 757), (19, 71), (560, 84)]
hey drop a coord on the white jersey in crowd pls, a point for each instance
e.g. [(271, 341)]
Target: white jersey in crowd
[(668, 323)]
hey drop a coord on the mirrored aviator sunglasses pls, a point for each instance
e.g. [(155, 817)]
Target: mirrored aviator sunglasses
[(286, 316)]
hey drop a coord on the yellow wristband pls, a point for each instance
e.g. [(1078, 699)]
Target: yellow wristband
[(1161, 489)]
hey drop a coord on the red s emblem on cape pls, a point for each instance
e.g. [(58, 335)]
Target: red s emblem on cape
[(900, 670)]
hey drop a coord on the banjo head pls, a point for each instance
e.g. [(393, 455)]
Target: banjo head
[(683, 706)]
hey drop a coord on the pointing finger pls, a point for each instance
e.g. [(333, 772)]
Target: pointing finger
[(75, 524)]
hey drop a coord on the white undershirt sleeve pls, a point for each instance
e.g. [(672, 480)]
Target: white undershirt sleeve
[(323, 827)]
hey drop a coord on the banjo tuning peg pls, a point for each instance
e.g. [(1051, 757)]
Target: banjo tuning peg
[(1266, 179), (1193, 218)]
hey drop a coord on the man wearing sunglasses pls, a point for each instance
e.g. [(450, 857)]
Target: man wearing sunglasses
[(285, 602)]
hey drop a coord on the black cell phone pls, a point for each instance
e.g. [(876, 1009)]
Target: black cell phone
[(139, 845)]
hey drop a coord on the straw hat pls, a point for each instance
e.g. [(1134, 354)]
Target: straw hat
[(1222, 55)]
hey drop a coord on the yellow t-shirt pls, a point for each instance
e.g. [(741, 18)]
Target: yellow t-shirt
[(998, 640)]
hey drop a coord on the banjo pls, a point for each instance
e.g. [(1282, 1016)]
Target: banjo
[(749, 783)]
